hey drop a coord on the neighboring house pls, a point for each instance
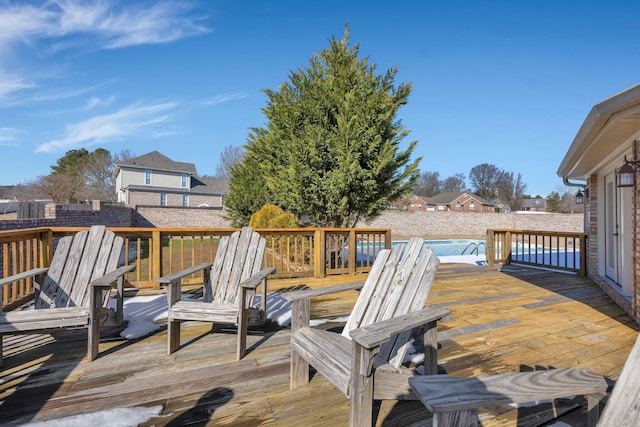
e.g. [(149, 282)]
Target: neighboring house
[(532, 205), (417, 204), (450, 202), (153, 179), (609, 135)]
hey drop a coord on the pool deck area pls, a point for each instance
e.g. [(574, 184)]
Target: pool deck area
[(503, 321)]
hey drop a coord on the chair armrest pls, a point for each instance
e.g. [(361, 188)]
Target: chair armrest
[(378, 333), (253, 281), (25, 274), (168, 279), (108, 279), (293, 296)]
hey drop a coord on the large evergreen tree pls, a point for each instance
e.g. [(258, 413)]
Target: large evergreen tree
[(330, 151)]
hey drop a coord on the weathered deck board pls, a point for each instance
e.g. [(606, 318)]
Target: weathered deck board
[(502, 322)]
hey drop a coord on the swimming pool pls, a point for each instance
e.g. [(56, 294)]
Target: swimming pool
[(454, 247), (366, 252)]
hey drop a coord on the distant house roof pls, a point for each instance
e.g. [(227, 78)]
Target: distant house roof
[(157, 161), (448, 198), (532, 203), (209, 185)]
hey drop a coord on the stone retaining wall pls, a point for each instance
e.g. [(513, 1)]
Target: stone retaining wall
[(402, 224), (170, 217), (452, 224)]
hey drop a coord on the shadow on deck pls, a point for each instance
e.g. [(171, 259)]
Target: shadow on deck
[(505, 321)]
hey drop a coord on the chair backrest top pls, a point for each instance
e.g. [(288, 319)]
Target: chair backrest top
[(622, 408), (77, 260), (398, 283), (238, 257)]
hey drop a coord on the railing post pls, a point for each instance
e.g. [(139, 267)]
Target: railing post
[(352, 251), (47, 249), (319, 256), (583, 256), (507, 248), (491, 247), (156, 257)]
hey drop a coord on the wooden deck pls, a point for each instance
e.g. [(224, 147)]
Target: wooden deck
[(516, 320)]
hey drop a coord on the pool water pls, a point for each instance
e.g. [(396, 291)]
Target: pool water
[(453, 247), (439, 247)]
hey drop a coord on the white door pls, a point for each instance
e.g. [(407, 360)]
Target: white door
[(611, 228)]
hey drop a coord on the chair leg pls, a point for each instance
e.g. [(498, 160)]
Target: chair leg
[(242, 340), (93, 329), (299, 372), (93, 339), (361, 401), (593, 409), (173, 335)]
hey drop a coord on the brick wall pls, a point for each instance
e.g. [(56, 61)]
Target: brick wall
[(452, 224), (155, 216), (97, 213), (402, 224)]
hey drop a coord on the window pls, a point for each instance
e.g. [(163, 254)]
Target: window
[(185, 200), (147, 177), (440, 207), (163, 199), (457, 206), (184, 180), (472, 206)]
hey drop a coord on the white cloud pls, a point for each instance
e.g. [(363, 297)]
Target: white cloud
[(222, 98), (107, 24), (8, 136), (133, 120), (95, 101), (11, 84)]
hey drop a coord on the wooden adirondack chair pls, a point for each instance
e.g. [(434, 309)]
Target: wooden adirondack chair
[(365, 361), (74, 289), (455, 401), (229, 289)]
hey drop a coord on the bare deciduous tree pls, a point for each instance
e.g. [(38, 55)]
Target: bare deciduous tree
[(511, 189), (429, 184), (229, 157), (454, 183)]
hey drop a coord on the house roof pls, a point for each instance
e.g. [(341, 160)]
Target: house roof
[(532, 203), (202, 185), (199, 185), (158, 161), (448, 198), (605, 134)]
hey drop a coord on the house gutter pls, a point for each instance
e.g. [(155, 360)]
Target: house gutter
[(566, 182)]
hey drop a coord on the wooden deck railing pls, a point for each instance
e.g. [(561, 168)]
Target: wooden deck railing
[(305, 252), (548, 249)]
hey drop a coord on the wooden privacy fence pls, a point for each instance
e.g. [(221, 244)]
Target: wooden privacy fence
[(548, 249), (304, 252)]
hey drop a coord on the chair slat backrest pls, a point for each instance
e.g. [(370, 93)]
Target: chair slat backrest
[(77, 261), (398, 283), (622, 408), (238, 257)]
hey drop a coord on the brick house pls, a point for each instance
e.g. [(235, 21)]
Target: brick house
[(532, 205), (153, 179), (607, 139), (449, 202)]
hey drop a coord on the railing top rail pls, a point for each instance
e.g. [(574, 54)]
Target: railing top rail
[(538, 232)]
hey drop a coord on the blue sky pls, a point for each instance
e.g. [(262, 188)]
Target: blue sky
[(501, 82)]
